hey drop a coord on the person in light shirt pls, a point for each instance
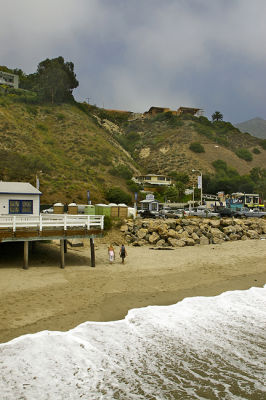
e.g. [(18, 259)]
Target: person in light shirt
[(111, 254)]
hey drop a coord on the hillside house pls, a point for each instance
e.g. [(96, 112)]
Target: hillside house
[(156, 110), (19, 198), (9, 79), (153, 180), (190, 110)]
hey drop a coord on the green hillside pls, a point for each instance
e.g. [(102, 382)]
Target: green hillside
[(163, 144), (80, 147), (73, 152)]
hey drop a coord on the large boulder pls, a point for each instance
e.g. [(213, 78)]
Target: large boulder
[(195, 237), (184, 235), (190, 242), (138, 243), (234, 236), (142, 233), (204, 240), (217, 233), (173, 234), (226, 221), (253, 234), (189, 229), (176, 243), (160, 243), (153, 225), (229, 229), (162, 230), (154, 237), (215, 223)]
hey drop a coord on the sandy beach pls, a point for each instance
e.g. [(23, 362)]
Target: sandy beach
[(46, 297)]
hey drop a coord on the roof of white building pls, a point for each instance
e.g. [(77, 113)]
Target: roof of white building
[(18, 188)]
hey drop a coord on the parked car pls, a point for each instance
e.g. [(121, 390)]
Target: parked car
[(203, 212), (246, 212), (148, 214), (168, 214), (180, 213), (225, 212)]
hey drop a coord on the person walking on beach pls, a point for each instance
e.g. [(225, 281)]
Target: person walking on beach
[(111, 253), (123, 253)]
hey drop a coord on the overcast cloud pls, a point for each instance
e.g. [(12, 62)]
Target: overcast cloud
[(132, 54)]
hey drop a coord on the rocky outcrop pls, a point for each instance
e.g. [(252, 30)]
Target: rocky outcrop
[(191, 231)]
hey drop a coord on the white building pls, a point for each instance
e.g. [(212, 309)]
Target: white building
[(153, 180), (6, 78), (19, 198)]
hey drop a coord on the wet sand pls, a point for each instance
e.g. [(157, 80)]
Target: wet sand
[(46, 297)]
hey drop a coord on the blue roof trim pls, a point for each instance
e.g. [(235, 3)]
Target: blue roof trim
[(24, 194)]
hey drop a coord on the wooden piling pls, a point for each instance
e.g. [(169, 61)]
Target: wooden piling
[(65, 246), (26, 255), (92, 253), (62, 254)]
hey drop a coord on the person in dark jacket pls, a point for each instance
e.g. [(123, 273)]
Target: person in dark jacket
[(123, 253)]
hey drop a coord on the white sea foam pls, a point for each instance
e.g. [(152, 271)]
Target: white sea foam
[(199, 348)]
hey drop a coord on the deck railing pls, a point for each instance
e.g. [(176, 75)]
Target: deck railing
[(52, 221)]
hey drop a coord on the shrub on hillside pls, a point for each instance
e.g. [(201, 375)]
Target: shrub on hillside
[(117, 195), (197, 147), (122, 171), (204, 121), (244, 154), (205, 130), (256, 151)]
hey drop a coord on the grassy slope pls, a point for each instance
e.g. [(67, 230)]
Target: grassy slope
[(75, 153), (72, 151), (164, 145)]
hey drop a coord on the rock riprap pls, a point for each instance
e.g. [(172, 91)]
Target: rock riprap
[(191, 231)]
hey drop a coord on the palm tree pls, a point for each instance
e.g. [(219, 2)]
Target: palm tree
[(217, 116)]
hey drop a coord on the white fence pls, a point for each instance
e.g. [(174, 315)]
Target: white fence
[(52, 221)]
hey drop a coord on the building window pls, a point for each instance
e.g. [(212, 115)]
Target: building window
[(20, 206)]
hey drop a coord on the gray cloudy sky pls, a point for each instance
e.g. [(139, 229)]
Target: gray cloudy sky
[(131, 54)]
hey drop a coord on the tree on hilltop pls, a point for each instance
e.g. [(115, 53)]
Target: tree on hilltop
[(217, 116), (54, 80)]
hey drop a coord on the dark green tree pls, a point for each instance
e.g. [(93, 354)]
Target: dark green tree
[(117, 195), (217, 116), (54, 80)]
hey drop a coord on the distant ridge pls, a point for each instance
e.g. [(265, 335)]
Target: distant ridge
[(255, 126)]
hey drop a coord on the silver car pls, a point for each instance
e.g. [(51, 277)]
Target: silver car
[(203, 212)]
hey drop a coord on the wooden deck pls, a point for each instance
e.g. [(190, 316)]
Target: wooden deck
[(55, 226), (27, 229)]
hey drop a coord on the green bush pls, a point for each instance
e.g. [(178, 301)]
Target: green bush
[(204, 121), (123, 171), (256, 151), (244, 154), (117, 195), (196, 147), (107, 223)]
